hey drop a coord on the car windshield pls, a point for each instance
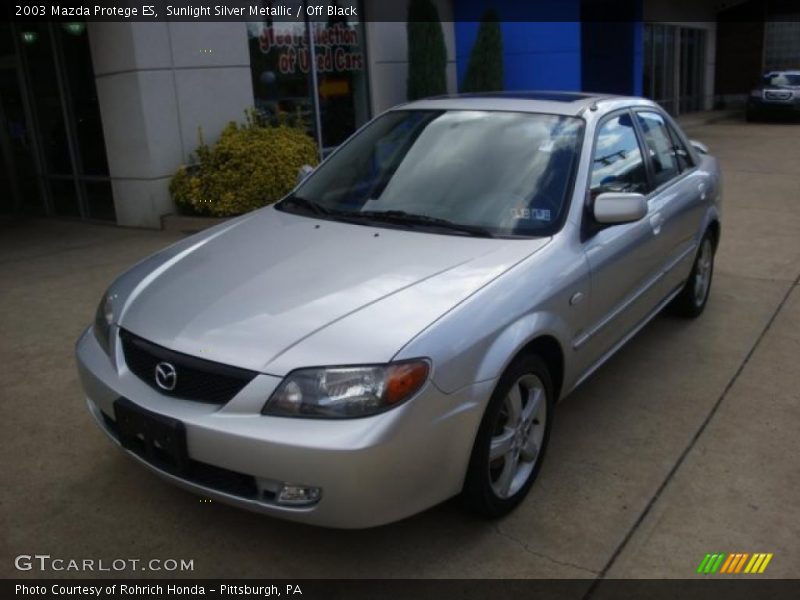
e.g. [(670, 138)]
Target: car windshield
[(782, 79), (495, 173)]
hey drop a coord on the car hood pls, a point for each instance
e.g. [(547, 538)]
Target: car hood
[(272, 291)]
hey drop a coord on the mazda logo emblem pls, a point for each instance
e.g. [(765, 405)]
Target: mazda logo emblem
[(166, 376)]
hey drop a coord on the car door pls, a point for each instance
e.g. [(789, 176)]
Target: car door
[(677, 199), (623, 259)]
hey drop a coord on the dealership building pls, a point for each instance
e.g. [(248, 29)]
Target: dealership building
[(97, 116)]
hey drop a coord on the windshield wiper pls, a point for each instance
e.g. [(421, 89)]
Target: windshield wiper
[(404, 218), (399, 217), (305, 204)]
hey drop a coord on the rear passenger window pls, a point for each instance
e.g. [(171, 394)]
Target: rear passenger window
[(617, 163), (659, 146)]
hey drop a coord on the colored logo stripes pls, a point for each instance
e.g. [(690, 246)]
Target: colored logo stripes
[(737, 562)]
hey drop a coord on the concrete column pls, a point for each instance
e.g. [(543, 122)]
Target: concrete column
[(157, 83), (387, 52)]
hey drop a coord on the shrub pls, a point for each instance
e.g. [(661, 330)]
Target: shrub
[(250, 166), (485, 67), (427, 54)]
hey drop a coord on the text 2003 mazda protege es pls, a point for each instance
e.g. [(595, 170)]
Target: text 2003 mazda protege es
[(398, 329)]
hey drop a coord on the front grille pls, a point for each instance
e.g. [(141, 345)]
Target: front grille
[(777, 95), (196, 378), (200, 473)]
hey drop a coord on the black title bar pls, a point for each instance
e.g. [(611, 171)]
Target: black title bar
[(385, 10)]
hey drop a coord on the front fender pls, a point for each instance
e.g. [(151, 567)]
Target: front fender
[(516, 336), (477, 340)]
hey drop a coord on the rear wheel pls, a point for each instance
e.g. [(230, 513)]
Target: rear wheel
[(512, 438), (693, 297)]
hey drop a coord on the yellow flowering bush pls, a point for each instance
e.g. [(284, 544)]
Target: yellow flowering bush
[(251, 165)]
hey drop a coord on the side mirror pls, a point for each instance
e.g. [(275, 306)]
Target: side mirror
[(303, 172), (699, 146), (612, 208)]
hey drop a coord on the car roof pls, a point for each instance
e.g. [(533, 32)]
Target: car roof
[(782, 72), (547, 102)]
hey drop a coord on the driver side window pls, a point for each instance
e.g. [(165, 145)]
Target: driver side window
[(617, 164)]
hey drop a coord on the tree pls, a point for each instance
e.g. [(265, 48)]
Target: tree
[(485, 67), (427, 55)]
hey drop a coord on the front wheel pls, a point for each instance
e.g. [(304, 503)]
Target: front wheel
[(512, 439), (693, 297)]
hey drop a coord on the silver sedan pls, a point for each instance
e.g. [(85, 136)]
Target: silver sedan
[(398, 330)]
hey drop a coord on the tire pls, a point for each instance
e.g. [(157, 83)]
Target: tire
[(494, 487), (692, 299)]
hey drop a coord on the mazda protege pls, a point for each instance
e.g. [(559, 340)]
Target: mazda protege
[(398, 329)]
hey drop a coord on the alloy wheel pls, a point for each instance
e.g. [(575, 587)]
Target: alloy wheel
[(702, 277), (517, 436)]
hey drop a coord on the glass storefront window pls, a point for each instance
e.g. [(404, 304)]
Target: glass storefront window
[(100, 200), (65, 153), (674, 62), (64, 197), (6, 39), (342, 78), (38, 49), (74, 45), (279, 66), (18, 178), (781, 44), (283, 83)]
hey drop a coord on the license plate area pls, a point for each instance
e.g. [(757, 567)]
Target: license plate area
[(158, 439)]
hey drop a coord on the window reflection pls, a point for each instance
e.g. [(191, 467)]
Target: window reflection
[(507, 172), (659, 144), (617, 162)]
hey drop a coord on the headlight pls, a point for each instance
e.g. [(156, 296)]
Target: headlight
[(346, 392), (755, 94), (103, 319)]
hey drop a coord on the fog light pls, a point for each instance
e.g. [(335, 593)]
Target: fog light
[(292, 494)]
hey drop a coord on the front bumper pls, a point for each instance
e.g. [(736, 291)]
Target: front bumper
[(760, 106), (371, 471)]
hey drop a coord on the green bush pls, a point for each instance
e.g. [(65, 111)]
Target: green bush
[(427, 54), (250, 166), (485, 67)]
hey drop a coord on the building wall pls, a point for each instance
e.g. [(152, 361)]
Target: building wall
[(612, 57), (157, 84), (387, 54), (536, 54)]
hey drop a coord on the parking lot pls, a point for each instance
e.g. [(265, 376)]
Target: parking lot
[(685, 443)]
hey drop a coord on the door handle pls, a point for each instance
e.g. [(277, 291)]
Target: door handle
[(656, 221)]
